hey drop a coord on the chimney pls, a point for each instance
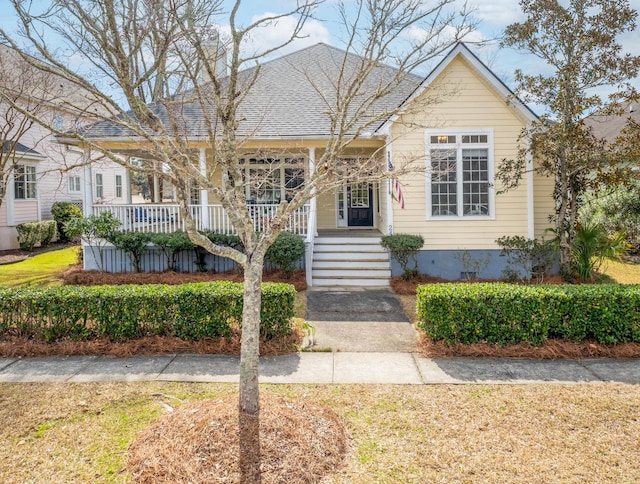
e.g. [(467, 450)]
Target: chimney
[(216, 54)]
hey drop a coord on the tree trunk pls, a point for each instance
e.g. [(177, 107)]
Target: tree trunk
[(249, 400)]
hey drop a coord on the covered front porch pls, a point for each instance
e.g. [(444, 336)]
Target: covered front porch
[(269, 177)]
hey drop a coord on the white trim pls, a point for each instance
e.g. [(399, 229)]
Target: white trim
[(458, 147), (87, 202), (79, 190), (313, 201), (530, 199), (494, 81), (389, 198)]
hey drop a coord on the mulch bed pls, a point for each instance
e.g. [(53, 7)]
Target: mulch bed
[(300, 441), (76, 275), (148, 345), (552, 349)]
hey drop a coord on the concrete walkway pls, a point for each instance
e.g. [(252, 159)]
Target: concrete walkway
[(361, 337), (334, 367)]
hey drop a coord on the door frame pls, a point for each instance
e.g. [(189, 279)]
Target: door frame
[(343, 200)]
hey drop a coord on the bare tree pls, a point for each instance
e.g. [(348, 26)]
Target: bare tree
[(21, 89), (151, 55)]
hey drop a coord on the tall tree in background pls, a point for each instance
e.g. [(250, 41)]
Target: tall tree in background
[(578, 42), (150, 57)]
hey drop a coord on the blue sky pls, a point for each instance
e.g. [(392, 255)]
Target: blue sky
[(492, 16)]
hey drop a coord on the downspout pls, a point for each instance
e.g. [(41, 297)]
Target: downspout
[(87, 194), (9, 199)]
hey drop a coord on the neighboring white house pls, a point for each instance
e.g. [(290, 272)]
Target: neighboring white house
[(37, 171)]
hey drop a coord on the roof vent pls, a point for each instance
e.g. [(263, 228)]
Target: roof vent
[(631, 109)]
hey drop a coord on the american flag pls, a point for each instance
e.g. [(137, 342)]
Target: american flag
[(397, 189)]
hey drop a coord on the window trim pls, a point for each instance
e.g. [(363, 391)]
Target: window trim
[(280, 163), (118, 185), (99, 186), (26, 181), (459, 146), (72, 184)]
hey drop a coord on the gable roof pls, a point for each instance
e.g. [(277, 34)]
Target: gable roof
[(291, 97), (19, 149), (501, 89)]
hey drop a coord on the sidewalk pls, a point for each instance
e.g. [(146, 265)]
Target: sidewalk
[(323, 368), (362, 336)]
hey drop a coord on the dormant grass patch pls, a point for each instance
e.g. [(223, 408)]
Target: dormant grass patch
[(446, 433)]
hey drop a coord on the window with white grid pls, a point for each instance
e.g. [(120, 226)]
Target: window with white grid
[(460, 174)]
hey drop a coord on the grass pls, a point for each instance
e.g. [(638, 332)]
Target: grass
[(622, 272), (40, 270), (444, 433)]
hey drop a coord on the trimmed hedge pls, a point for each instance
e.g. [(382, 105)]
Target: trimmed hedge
[(31, 234), (188, 311), (506, 313)]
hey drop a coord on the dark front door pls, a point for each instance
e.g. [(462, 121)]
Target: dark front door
[(360, 203)]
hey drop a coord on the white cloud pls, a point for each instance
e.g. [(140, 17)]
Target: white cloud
[(273, 34), (497, 13)]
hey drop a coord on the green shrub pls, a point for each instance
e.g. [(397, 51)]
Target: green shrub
[(403, 248), (63, 212), (189, 311), (592, 245), (527, 258), (286, 251), (28, 235), (47, 232), (97, 230), (171, 245), (506, 313), (135, 244)]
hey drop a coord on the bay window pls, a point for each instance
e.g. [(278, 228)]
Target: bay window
[(25, 182)]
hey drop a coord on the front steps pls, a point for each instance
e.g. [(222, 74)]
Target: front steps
[(350, 261)]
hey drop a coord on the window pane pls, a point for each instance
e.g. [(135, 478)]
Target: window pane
[(475, 173), (443, 139), (444, 200), (99, 186), (118, 186), (360, 195), (293, 180), (474, 138)]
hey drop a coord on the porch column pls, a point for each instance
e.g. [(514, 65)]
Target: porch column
[(204, 194), (156, 185), (127, 183), (87, 193), (313, 201), (388, 230)]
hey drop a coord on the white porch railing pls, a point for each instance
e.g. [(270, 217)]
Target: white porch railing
[(165, 218)]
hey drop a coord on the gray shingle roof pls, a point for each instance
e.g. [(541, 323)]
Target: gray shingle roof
[(291, 97), (18, 148), (609, 126)]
